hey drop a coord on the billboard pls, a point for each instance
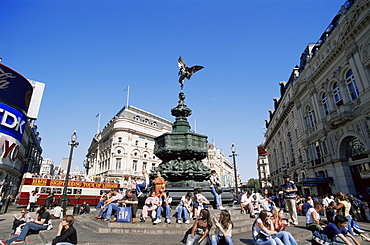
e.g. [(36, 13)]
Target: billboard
[(15, 89)]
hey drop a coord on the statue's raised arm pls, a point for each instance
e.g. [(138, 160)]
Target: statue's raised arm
[(185, 71)]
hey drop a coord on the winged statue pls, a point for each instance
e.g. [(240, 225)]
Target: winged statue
[(185, 71)]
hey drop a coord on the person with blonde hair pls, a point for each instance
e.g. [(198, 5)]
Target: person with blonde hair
[(343, 207), (66, 234), (262, 235)]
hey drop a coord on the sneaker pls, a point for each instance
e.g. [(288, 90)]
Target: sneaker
[(133, 220), (168, 221), (2, 242), (17, 242), (295, 223), (179, 221), (106, 219), (113, 220), (140, 194), (222, 208), (187, 221), (157, 221), (98, 217), (142, 220)]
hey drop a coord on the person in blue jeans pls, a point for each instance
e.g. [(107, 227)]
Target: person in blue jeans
[(144, 185), (225, 226), (41, 223), (166, 200), (185, 208), (215, 181), (112, 204)]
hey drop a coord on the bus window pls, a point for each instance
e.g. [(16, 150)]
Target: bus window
[(59, 191), (43, 190), (37, 190), (48, 190), (77, 191), (69, 191)]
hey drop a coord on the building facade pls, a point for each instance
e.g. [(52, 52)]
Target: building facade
[(318, 132), (263, 168), (47, 167), (125, 145)]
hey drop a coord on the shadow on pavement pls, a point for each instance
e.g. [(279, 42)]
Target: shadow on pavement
[(246, 241)]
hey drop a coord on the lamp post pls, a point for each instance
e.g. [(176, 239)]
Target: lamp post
[(233, 149), (64, 200)]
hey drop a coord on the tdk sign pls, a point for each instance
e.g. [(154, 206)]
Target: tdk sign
[(12, 122)]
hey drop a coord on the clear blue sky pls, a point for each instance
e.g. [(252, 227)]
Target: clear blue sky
[(88, 51)]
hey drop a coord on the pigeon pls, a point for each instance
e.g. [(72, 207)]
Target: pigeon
[(185, 71)]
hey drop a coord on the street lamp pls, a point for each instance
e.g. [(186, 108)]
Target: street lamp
[(64, 200), (233, 149)]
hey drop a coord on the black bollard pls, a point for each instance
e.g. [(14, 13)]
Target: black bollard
[(76, 209), (7, 201)]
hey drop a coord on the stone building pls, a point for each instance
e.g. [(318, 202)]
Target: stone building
[(318, 132), (219, 162), (47, 166), (125, 145), (263, 168)]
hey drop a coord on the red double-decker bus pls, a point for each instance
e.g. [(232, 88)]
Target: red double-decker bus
[(77, 191)]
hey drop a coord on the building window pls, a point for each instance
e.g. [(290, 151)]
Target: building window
[(337, 95), (119, 139), (355, 149), (136, 142), (144, 165), (310, 117), (153, 166), (146, 145), (318, 152), (118, 163), (134, 165), (137, 118), (351, 85), (325, 104)]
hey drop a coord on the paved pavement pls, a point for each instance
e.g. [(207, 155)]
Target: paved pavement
[(88, 237)]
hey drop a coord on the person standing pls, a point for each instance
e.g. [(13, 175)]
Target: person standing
[(32, 201), (215, 182), (159, 184), (49, 202), (290, 198)]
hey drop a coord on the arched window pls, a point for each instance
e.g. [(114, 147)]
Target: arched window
[(310, 117), (325, 103), (337, 95), (355, 149), (351, 85)]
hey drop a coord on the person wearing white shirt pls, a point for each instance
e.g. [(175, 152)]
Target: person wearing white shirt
[(313, 219), (246, 203)]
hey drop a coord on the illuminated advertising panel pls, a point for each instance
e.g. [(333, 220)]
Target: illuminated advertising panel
[(12, 122), (15, 89)]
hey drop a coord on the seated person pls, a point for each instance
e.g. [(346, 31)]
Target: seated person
[(305, 207), (313, 219), (66, 234), (130, 199), (199, 202), (184, 207), (150, 206), (336, 233), (41, 223), (85, 208), (22, 219), (266, 202), (110, 205), (57, 212), (104, 197), (165, 204), (246, 204)]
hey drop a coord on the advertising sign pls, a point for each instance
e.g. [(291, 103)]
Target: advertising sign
[(15, 89), (9, 149), (73, 183), (12, 122)]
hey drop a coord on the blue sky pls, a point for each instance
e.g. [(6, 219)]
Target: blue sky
[(88, 51)]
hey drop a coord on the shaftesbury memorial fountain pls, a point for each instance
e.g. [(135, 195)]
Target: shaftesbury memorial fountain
[(182, 151)]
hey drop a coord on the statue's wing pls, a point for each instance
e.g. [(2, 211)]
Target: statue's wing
[(181, 63), (195, 68)]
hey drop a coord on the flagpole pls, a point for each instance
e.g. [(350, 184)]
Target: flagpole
[(128, 95), (98, 123)]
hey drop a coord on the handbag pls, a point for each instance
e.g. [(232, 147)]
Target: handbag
[(190, 240), (124, 214), (218, 189), (263, 235)]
